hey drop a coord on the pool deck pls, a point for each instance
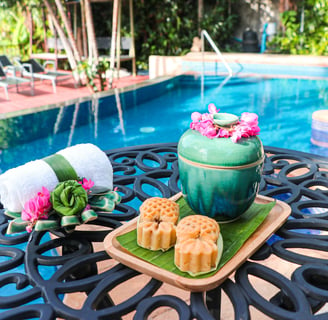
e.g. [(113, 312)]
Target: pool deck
[(44, 95)]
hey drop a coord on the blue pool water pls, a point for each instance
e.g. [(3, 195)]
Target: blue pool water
[(161, 112)]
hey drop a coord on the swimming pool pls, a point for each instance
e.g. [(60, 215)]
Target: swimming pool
[(160, 112)]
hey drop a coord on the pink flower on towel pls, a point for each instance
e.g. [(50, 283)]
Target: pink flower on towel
[(87, 184), (37, 208)]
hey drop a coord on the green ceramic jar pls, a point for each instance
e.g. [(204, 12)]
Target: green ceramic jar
[(219, 178)]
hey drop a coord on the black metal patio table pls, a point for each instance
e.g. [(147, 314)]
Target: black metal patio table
[(299, 179)]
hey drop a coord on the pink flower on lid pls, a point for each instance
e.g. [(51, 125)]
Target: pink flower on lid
[(196, 116), (250, 118), (247, 125), (224, 133), (212, 108)]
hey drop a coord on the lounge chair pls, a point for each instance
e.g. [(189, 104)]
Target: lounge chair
[(103, 44), (5, 62), (57, 54), (7, 80), (34, 70)]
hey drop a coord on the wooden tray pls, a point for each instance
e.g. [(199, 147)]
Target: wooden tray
[(273, 221)]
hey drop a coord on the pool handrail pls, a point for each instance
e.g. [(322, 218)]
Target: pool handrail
[(204, 34)]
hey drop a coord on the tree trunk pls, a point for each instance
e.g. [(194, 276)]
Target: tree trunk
[(93, 51), (116, 5), (62, 36), (200, 14), (30, 28), (44, 30), (84, 33), (68, 30)]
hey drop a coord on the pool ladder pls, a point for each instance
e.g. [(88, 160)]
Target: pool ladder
[(204, 35)]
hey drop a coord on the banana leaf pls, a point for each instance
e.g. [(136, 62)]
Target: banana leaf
[(234, 236)]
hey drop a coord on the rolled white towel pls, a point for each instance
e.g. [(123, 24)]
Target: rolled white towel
[(20, 184)]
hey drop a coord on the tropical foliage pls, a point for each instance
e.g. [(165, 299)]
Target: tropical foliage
[(92, 71), (221, 22), (161, 27), (305, 31), (168, 27), (14, 26), (164, 27)]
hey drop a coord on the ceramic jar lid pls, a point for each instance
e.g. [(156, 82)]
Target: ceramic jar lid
[(195, 147)]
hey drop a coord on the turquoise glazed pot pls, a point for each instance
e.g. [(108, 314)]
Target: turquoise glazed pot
[(219, 178)]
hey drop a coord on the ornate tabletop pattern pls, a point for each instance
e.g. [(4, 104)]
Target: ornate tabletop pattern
[(34, 277)]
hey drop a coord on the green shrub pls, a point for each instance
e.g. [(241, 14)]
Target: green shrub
[(165, 27), (313, 39)]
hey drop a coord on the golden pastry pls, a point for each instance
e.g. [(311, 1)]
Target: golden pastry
[(199, 244), (198, 226), (156, 229)]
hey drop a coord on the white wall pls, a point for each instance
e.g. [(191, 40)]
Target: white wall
[(163, 66)]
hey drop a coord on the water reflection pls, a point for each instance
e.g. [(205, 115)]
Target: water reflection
[(119, 110), (37, 135)]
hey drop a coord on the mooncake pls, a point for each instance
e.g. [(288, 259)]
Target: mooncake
[(199, 245), (156, 228)]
